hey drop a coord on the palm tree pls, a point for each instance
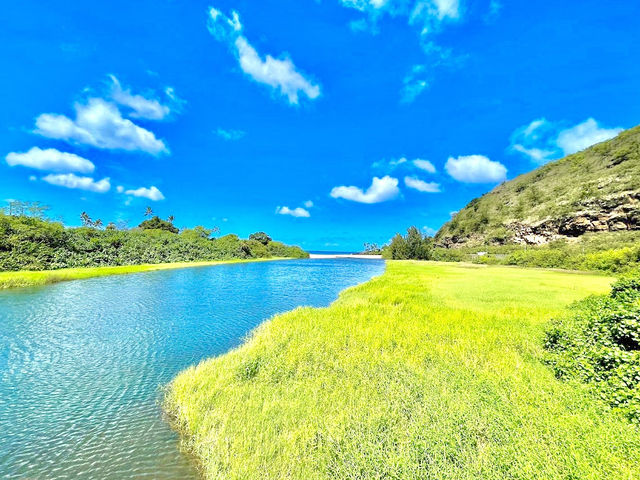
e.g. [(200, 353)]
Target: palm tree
[(148, 212), (97, 223), (171, 218), (86, 219)]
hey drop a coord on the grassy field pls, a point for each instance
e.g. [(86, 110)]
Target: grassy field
[(431, 371), (44, 277)]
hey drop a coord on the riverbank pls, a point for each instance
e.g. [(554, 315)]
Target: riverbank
[(430, 371), (45, 277)]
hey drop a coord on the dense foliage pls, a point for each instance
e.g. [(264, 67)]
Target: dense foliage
[(611, 252), (599, 344), (412, 246), (30, 243), (156, 223)]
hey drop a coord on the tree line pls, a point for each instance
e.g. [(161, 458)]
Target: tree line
[(30, 241)]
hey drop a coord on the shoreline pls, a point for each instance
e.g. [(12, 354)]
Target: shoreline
[(35, 278)]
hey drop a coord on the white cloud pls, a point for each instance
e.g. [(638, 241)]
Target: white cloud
[(475, 169), (141, 107), (414, 83), (120, 189), (584, 135), (69, 180), (381, 190), (308, 204), (50, 159), (152, 193), (279, 73), (428, 15), (294, 212), (429, 231), (32, 178), (425, 165), (542, 140), (230, 134), (422, 186), (386, 166), (99, 123)]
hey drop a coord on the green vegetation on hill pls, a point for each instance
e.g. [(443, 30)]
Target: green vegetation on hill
[(429, 371), (31, 243), (597, 189)]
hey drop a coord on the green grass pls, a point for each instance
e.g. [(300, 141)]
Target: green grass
[(431, 371), (44, 277)]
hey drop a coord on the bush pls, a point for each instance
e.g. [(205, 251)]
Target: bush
[(599, 344)]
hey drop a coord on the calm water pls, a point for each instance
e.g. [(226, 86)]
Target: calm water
[(82, 363)]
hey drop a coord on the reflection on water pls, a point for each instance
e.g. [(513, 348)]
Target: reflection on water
[(82, 363)]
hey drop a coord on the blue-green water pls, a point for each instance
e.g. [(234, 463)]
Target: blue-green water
[(82, 363)]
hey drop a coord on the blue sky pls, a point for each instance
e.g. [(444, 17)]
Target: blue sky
[(325, 123)]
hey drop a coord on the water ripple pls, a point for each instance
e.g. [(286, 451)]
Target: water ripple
[(81, 363)]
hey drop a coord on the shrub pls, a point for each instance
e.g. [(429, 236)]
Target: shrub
[(599, 344)]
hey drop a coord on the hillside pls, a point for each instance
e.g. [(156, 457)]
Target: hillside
[(596, 190)]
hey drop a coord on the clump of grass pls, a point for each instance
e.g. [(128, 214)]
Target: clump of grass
[(431, 371), (45, 277)]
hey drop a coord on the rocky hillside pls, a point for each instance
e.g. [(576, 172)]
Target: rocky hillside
[(596, 190)]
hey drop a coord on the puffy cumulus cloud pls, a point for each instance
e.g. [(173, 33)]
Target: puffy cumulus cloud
[(141, 107), (425, 165), (308, 204), (542, 140), (475, 169), (294, 212), (422, 186), (152, 193), (278, 73), (69, 180), (99, 124), (381, 190), (230, 134), (51, 160), (584, 135)]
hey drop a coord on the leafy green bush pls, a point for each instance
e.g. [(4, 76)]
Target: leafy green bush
[(599, 344)]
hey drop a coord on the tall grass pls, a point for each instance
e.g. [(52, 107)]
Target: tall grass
[(431, 371)]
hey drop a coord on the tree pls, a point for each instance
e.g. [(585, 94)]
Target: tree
[(36, 209), (171, 218), (156, 223), (412, 246), (86, 219), (148, 212), (16, 208), (97, 223), (261, 237), (111, 226)]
